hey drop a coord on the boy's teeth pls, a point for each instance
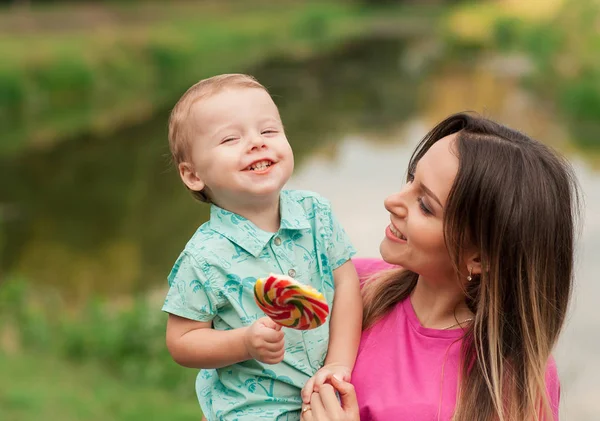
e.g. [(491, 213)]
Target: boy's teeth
[(260, 165)]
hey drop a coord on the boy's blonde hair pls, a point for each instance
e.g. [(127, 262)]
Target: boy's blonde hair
[(180, 132)]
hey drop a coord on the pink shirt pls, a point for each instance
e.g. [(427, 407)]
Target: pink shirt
[(407, 372)]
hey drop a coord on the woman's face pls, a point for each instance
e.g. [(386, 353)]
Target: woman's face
[(415, 237)]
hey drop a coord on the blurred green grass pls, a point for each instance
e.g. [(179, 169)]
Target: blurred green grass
[(97, 360), (39, 386), (127, 339)]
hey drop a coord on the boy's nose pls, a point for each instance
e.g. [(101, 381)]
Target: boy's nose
[(257, 142)]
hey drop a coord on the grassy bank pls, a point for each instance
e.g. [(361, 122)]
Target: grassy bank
[(125, 340), (61, 83), (99, 361), (38, 386), (561, 39)]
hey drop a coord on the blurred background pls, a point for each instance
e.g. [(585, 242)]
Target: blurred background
[(92, 216)]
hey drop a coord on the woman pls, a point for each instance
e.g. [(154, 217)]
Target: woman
[(484, 233)]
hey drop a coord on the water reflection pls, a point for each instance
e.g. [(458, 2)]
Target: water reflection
[(109, 216)]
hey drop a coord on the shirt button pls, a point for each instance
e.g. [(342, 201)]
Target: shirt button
[(292, 272), (277, 241)]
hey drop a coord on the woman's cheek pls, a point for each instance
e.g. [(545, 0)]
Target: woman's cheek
[(430, 237)]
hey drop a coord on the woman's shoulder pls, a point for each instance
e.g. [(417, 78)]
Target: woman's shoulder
[(551, 370), (553, 386), (368, 266)]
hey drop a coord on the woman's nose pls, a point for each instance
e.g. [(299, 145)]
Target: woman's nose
[(396, 205)]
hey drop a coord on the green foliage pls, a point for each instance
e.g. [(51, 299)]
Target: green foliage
[(127, 342), (581, 97), (564, 53), (56, 86), (507, 32)]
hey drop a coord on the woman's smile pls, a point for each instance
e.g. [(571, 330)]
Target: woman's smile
[(394, 234)]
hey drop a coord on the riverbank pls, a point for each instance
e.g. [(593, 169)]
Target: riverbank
[(118, 66)]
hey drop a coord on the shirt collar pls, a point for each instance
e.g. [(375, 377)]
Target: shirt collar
[(293, 215), (248, 236)]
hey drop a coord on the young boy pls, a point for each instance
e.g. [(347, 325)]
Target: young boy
[(230, 148)]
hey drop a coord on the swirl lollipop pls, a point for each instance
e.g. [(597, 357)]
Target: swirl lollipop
[(290, 303)]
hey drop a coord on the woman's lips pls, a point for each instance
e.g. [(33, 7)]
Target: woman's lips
[(394, 234)]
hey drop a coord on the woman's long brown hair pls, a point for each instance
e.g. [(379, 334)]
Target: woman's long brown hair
[(516, 201)]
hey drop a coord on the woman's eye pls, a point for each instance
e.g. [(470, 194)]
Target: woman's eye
[(424, 207)]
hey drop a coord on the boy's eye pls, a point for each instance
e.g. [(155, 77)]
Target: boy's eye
[(228, 139), (269, 131)]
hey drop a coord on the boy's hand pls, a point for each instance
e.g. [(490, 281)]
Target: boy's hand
[(264, 341), (322, 376)]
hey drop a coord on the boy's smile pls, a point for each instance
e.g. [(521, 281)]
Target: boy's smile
[(261, 166)]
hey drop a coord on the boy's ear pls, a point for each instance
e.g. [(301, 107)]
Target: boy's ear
[(190, 177)]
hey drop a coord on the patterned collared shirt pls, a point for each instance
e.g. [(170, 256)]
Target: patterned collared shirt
[(213, 280)]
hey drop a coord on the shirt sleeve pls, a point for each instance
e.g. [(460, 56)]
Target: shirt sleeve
[(339, 249), (190, 294)]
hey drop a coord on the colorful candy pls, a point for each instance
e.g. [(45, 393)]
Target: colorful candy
[(290, 303)]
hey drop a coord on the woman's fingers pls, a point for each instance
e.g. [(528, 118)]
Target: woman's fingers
[(306, 414), (307, 390), (324, 405), (317, 408), (347, 395), (329, 399)]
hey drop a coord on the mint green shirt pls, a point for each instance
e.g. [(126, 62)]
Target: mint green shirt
[(213, 280)]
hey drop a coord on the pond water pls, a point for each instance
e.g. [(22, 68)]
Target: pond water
[(109, 216)]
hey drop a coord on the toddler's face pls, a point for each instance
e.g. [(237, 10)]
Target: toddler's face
[(239, 150)]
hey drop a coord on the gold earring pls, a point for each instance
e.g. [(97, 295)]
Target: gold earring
[(470, 277)]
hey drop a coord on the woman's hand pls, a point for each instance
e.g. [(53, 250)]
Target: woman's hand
[(324, 405), (325, 374)]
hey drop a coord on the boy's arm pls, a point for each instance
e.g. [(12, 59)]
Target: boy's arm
[(192, 304), (196, 345), (345, 325), (345, 328)]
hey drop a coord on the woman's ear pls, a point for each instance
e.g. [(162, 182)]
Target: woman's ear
[(473, 263), (190, 177)]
